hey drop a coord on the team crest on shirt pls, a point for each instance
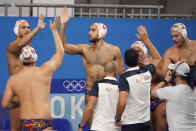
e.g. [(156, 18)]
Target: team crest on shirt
[(112, 89), (143, 78)]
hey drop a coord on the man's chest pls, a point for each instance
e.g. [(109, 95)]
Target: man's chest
[(188, 56), (99, 57)]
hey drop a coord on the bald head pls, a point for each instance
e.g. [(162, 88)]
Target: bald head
[(111, 68)]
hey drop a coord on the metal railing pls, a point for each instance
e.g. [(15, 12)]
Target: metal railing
[(162, 16), (90, 10), (5, 6), (176, 16), (100, 10)]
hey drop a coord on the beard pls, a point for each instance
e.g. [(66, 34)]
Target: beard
[(180, 43), (93, 40)]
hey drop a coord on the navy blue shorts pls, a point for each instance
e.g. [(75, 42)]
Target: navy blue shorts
[(192, 78), (137, 127), (87, 92)]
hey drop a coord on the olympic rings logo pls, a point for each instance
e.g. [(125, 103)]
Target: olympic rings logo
[(74, 85)]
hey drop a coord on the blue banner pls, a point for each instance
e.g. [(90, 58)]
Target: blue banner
[(67, 100), (68, 86)]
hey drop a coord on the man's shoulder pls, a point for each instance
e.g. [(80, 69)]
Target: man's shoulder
[(170, 50), (193, 42), (127, 74), (109, 81), (139, 71), (11, 44), (14, 77), (84, 45), (113, 47)]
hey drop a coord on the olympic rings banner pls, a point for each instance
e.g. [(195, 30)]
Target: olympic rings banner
[(67, 100), (68, 86)]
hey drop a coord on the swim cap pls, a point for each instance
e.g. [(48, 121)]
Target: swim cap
[(28, 54), (181, 28), (102, 30), (180, 67), (141, 45), (17, 25)]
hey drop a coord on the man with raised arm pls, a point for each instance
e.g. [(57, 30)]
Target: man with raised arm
[(23, 37), (95, 55), (32, 86)]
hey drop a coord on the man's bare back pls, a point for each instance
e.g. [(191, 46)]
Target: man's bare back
[(32, 86)]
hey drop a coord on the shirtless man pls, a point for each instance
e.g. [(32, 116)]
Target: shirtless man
[(23, 37), (32, 86), (183, 50), (95, 55)]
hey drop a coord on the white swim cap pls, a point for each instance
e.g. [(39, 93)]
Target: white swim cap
[(141, 45), (28, 54), (17, 25), (181, 28), (102, 30)]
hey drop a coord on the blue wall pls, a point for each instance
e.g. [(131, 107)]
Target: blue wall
[(121, 32)]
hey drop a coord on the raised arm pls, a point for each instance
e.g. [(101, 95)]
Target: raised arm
[(119, 61), (143, 36), (17, 45), (56, 60), (69, 48)]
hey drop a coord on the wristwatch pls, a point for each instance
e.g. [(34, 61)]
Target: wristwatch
[(165, 81), (117, 120), (79, 126)]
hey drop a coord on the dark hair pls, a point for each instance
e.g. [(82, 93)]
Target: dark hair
[(187, 78), (184, 78), (131, 57), (28, 63)]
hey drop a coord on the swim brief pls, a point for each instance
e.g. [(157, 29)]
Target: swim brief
[(34, 124), (154, 103)]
